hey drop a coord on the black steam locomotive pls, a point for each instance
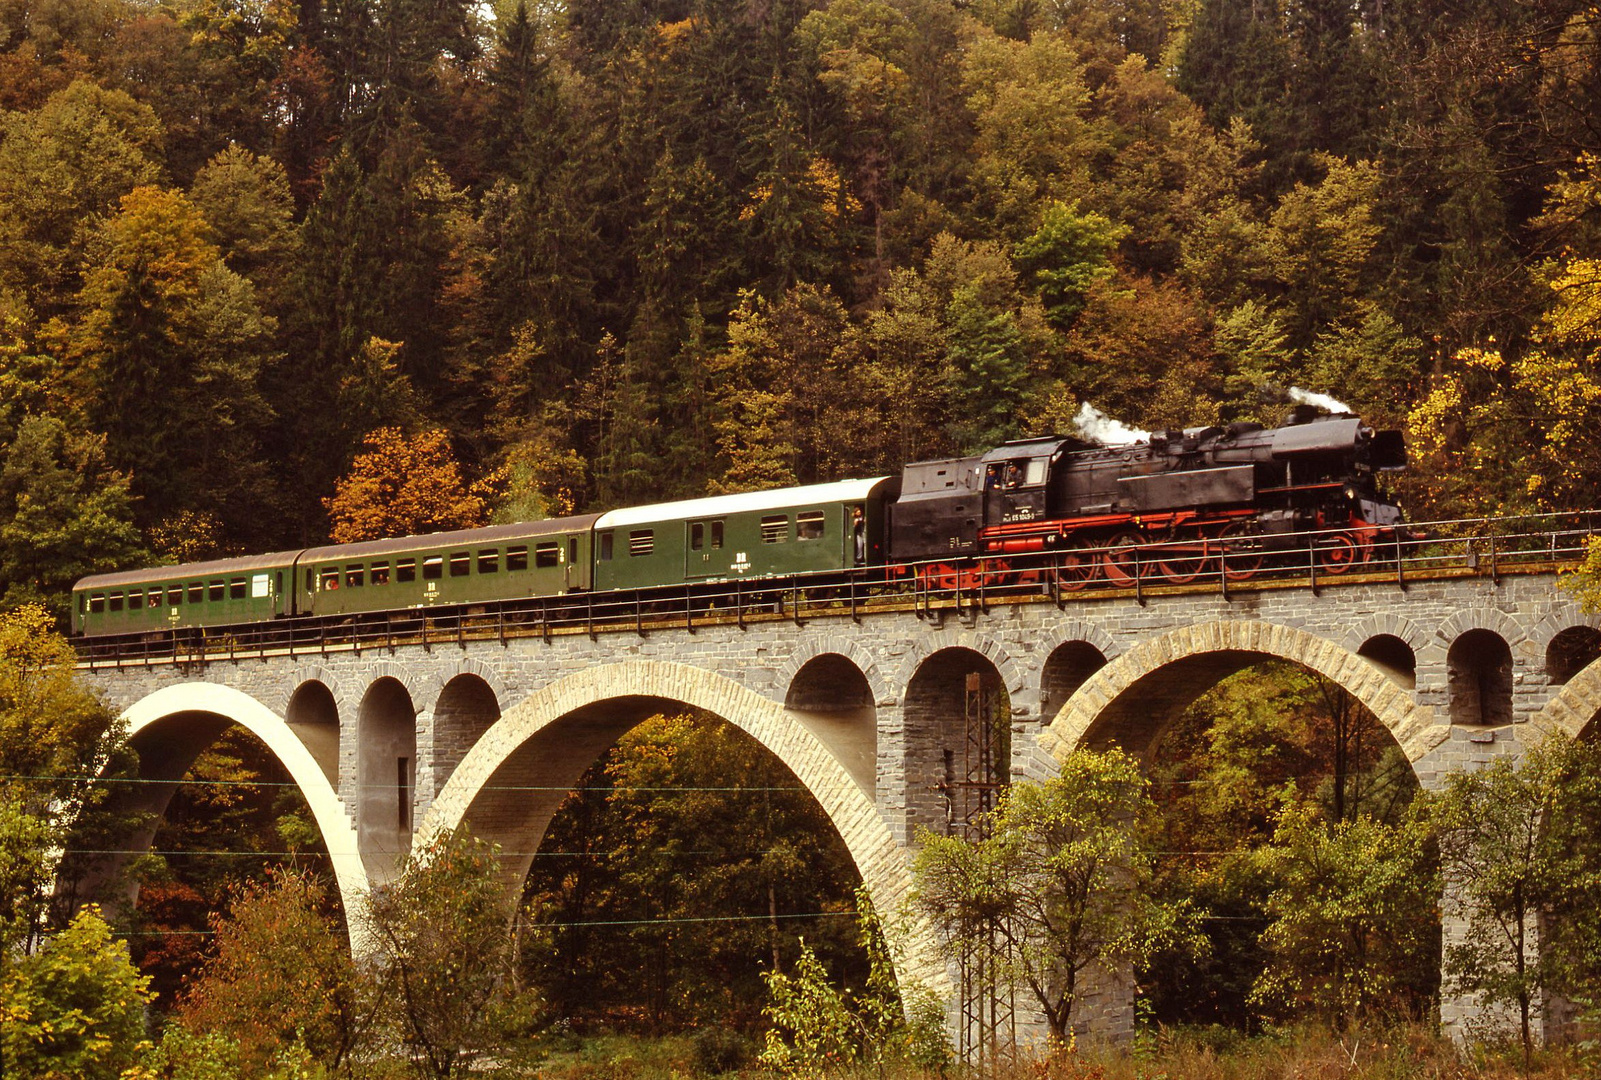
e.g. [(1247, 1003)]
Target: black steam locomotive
[(1162, 508)]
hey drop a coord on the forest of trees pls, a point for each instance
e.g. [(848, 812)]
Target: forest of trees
[(274, 271), (601, 252)]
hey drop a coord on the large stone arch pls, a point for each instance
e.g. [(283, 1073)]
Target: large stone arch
[(509, 785), (1153, 679), (171, 726)]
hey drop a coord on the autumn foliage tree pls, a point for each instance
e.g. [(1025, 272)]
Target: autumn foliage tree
[(403, 485)]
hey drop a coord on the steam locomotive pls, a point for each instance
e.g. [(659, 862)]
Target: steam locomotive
[(1168, 509), (1161, 506)]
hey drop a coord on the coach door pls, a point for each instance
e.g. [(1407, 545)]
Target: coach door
[(705, 549)]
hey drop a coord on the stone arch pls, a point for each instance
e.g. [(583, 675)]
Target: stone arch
[(312, 713), (1067, 667), (992, 649), (1562, 617), (425, 689), (833, 698), (305, 673), (1571, 650), (385, 797), (1136, 692), (884, 693), (1386, 624), (509, 785), (171, 726), (464, 708), (1479, 673), (1393, 656), (942, 754)]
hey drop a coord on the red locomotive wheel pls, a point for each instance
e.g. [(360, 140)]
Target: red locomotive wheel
[(1338, 553), (1077, 568), (1241, 558), (1180, 563), (1123, 561)]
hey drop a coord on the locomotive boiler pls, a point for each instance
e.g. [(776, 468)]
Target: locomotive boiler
[(1169, 502)]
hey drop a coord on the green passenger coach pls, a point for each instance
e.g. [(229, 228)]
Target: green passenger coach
[(470, 566), (215, 593), (757, 534)]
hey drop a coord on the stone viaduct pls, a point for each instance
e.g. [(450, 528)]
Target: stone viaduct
[(390, 745)]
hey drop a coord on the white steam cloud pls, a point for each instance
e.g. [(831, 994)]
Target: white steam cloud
[(1321, 401), (1092, 423)]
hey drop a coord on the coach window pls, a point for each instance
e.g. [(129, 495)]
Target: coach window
[(547, 555), (605, 547), (433, 567), (461, 563), (216, 591), (116, 601), (489, 560), (355, 576), (154, 597), (697, 535), (641, 542), (175, 596), (136, 599), (572, 550), (517, 558), (330, 577), (197, 592), (1036, 472), (809, 526), (775, 529), (717, 535), (236, 589), (97, 603), (380, 573), (405, 569)]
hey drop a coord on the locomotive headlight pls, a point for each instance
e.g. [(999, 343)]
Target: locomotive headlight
[(1351, 491)]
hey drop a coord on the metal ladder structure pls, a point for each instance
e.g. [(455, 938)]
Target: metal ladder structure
[(987, 1030)]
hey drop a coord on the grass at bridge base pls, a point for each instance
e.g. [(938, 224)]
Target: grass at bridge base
[(1397, 1053)]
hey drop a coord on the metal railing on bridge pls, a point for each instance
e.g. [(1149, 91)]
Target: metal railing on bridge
[(1117, 570)]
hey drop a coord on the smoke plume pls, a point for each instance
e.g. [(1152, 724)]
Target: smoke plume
[(1321, 401), (1093, 424)]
